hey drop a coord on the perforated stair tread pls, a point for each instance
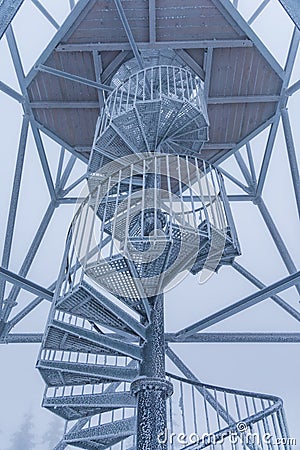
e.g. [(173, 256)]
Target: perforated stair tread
[(86, 302), (94, 444), (64, 336), (57, 373), (77, 406), (103, 434), (148, 125)]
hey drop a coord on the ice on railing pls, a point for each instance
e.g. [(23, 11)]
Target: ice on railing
[(201, 416), (84, 389), (196, 197), (207, 416), (153, 84), (85, 358)]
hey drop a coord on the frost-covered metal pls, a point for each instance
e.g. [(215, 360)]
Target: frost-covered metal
[(155, 207), (164, 211)]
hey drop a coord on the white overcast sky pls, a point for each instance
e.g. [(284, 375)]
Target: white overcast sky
[(264, 368)]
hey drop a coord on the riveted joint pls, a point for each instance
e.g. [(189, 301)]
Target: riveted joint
[(153, 384)]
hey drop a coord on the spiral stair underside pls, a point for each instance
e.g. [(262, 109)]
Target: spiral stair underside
[(88, 369), (92, 349)]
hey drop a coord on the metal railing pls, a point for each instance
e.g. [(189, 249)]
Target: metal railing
[(202, 415), (218, 417), (152, 84), (187, 192)]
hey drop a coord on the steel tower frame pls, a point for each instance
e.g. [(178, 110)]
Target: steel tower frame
[(251, 191)]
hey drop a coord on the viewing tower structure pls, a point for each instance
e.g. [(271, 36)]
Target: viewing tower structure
[(155, 95)]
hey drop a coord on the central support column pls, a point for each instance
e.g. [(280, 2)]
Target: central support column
[(151, 388)]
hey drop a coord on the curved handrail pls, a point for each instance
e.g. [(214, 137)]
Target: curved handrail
[(225, 389), (267, 417), (153, 84)]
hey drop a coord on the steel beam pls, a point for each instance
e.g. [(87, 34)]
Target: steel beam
[(23, 338), (273, 121), (293, 10), (29, 258), (72, 77), (70, 200), (232, 15), (98, 70), (82, 8), (64, 105), (14, 203), (59, 168), (236, 338), (11, 92), (213, 43), (278, 300), (207, 69), (67, 172), (59, 141), (267, 155), (251, 163), (240, 198), (258, 11), (113, 66), (197, 338), (8, 10), (290, 61), (43, 158), (291, 155), (241, 305), (152, 21), (45, 13), (24, 312), (198, 70), (21, 79), (235, 147), (18, 317), (74, 185), (294, 88), (277, 239), (22, 283), (244, 169), (235, 181), (291, 57), (186, 58), (243, 99), (133, 45)]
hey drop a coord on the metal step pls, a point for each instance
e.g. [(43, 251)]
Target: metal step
[(104, 435), (129, 127), (230, 251), (85, 301), (73, 407), (186, 117), (135, 281), (111, 145), (149, 116), (57, 373), (64, 336), (147, 125)]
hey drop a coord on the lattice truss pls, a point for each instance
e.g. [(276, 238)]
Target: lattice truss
[(43, 173)]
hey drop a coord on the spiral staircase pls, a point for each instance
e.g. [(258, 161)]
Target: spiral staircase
[(157, 210)]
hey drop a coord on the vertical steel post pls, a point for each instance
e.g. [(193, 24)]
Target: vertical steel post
[(152, 388)]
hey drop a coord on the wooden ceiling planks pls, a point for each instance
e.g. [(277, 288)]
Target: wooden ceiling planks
[(242, 93)]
